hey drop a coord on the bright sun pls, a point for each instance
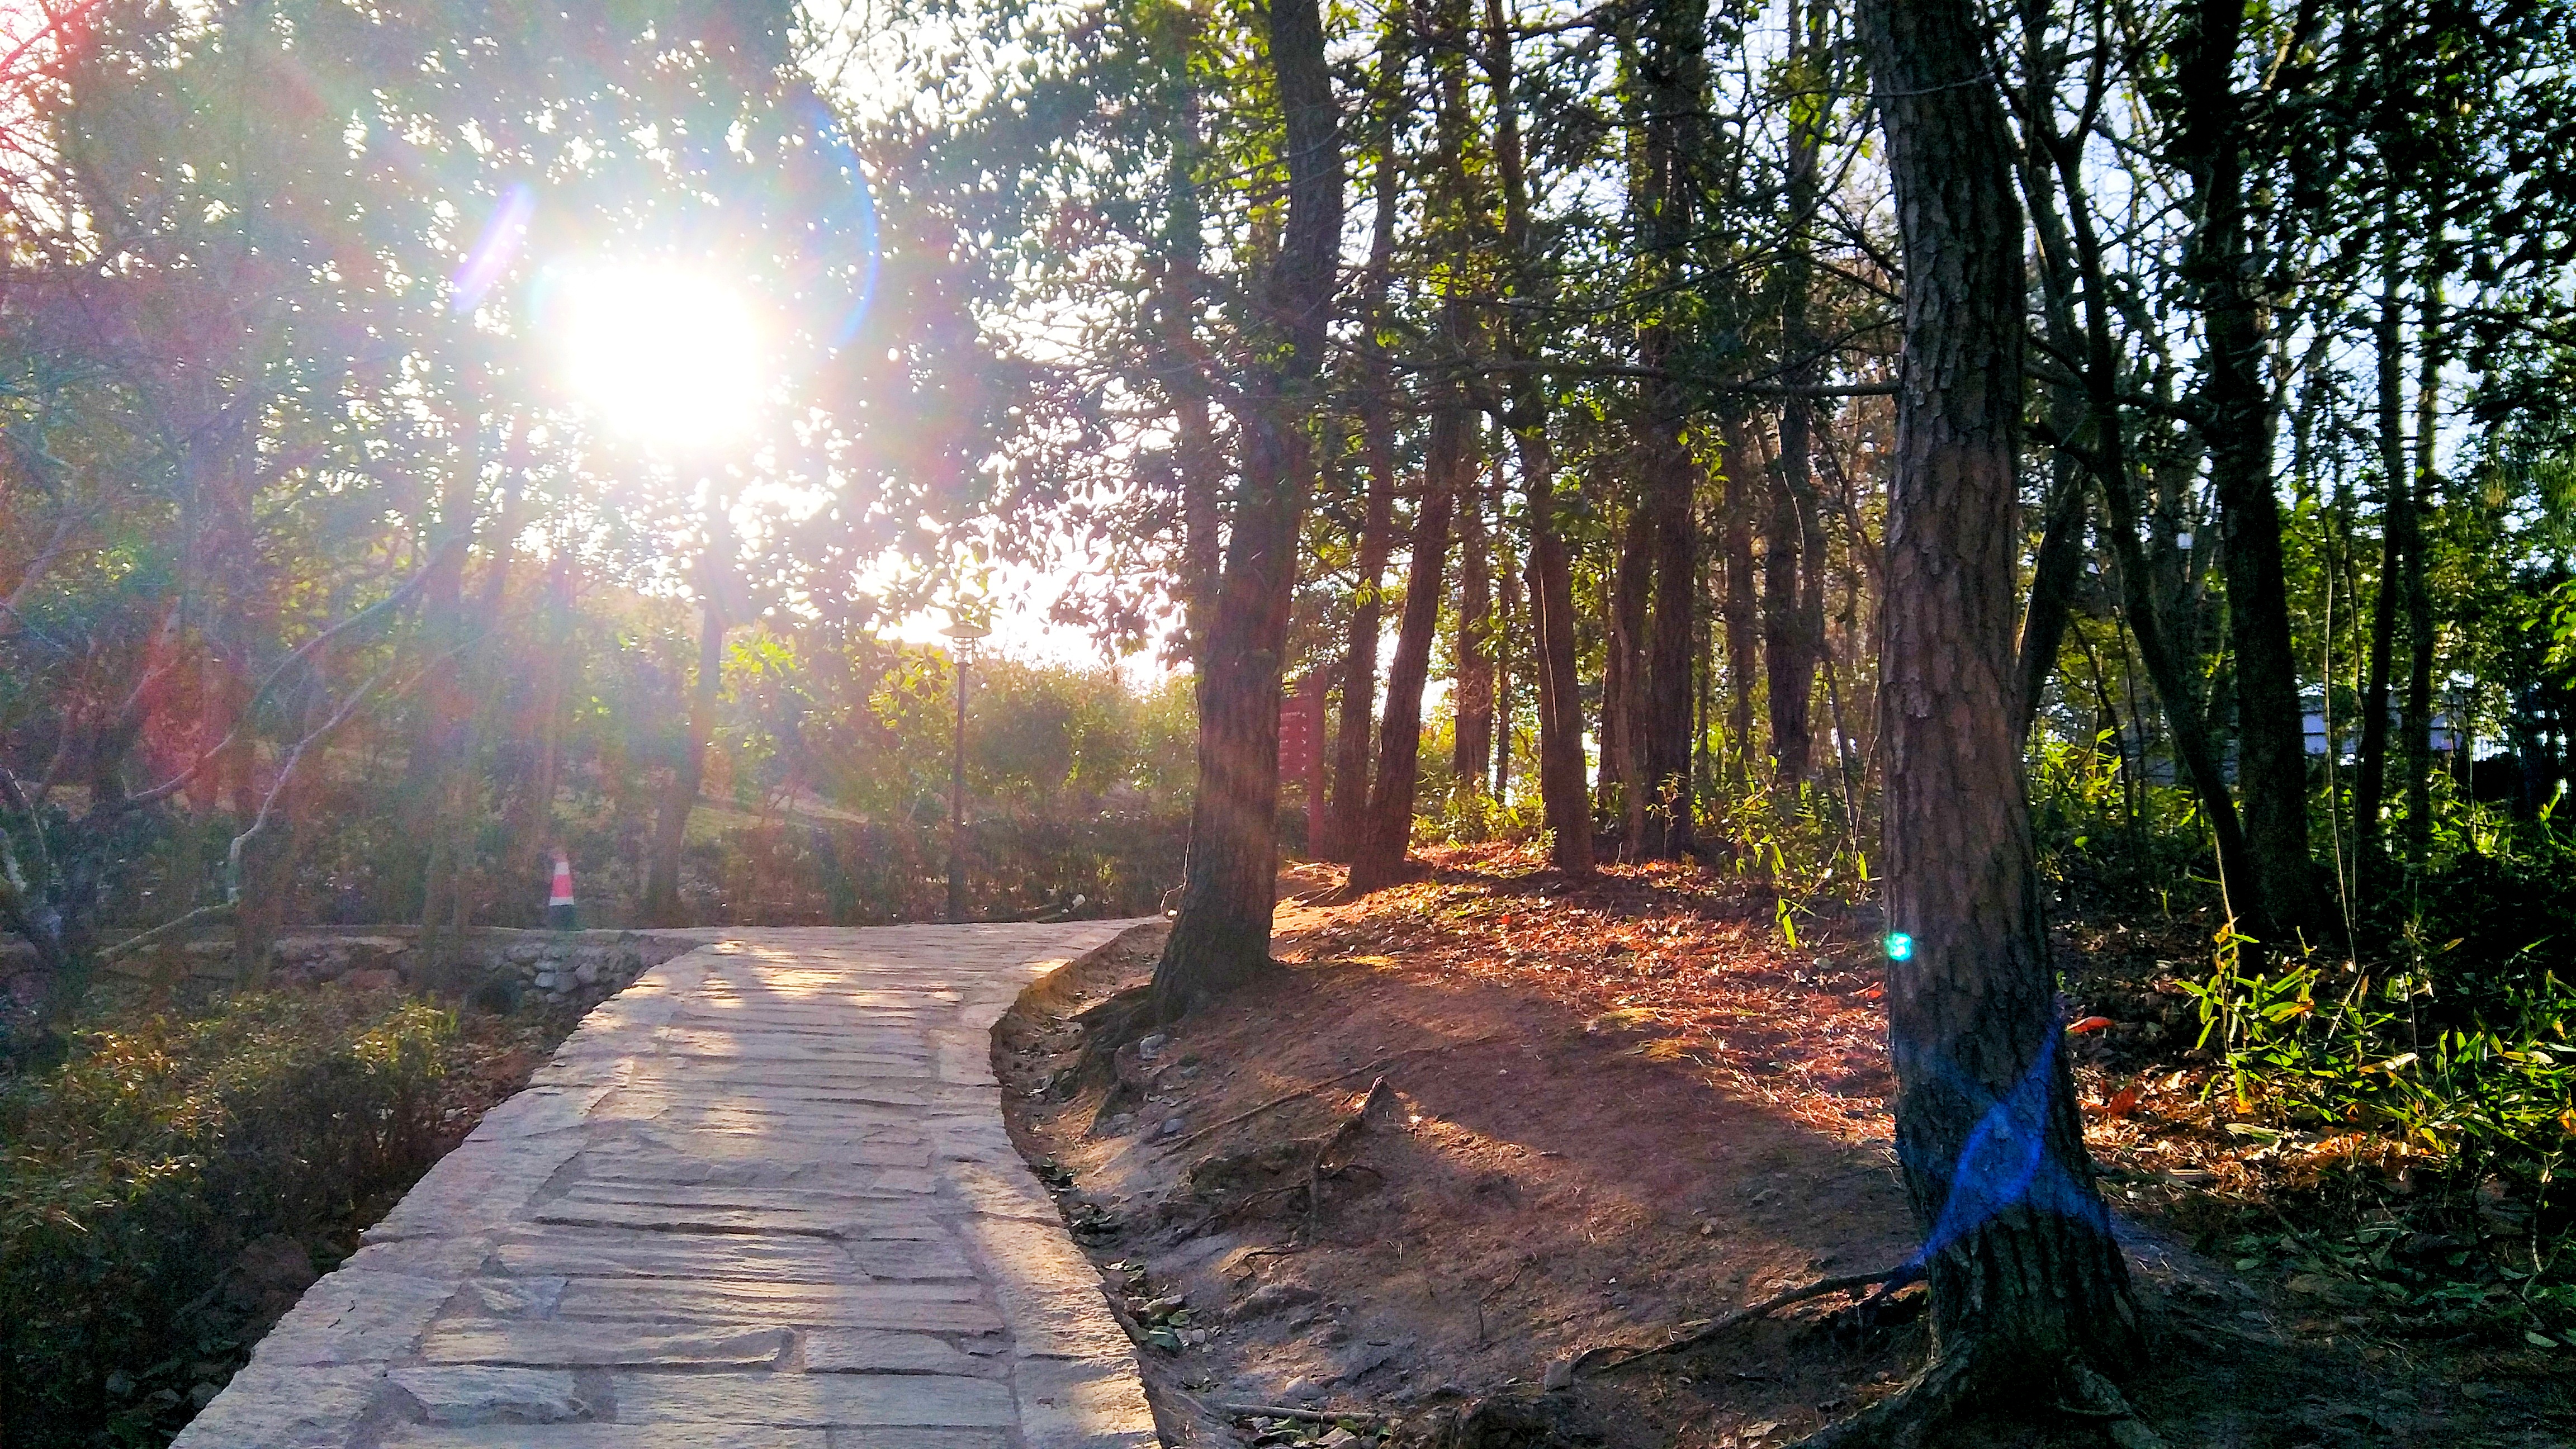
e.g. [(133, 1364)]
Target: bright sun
[(666, 355)]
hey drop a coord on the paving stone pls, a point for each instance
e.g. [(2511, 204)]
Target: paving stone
[(1081, 1405), (482, 1394), (1049, 1293), (624, 1253), (928, 1307), (763, 1197), (612, 1436), (870, 1350), (534, 1297), (819, 1401), (571, 1344), (918, 1439), (276, 1405), (1004, 1191), (355, 1317)]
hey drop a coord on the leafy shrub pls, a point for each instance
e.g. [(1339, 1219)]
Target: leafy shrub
[(135, 1173), (2105, 836), (2482, 1095)]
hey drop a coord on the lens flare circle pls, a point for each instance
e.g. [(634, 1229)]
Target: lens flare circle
[(1900, 946), (661, 353)]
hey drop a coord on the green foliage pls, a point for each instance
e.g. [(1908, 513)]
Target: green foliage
[(1469, 817), (136, 1172), (2103, 835), (2481, 1092), (1804, 848)]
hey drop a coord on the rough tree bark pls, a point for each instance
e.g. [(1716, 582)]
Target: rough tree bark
[(2028, 1290), (2106, 455), (1525, 414), (2236, 413), (1377, 859), (1222, 935), (2397, 541), (1658, 781), (1377, 447), (1473, 748), (1623, 680), (2416, 746), (1742, 604)]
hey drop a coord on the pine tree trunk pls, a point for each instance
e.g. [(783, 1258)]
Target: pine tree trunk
[(1551, 575), (1507, 581), (2272, 764), (1742, 605), (2421, 643), (1349, 805), (2023, 1270), (1386, 836), (1656, 783), (2397, 541), (1563, 796), (1222, 935), (1473, 746), (1623, 681), (1789, 671), (1671, 630)]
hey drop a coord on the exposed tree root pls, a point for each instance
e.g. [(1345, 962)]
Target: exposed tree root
[(1106, 1026), (1955, 1384), (1301, 1416), (1311, 1088), (1592, 1360), (1307, 1159)]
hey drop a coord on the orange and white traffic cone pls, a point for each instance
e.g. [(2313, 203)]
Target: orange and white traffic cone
[(560, 915)]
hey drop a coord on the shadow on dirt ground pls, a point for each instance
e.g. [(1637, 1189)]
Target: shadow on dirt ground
[(1608, 1115)]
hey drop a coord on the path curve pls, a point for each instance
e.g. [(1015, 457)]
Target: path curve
[(761, 1199)]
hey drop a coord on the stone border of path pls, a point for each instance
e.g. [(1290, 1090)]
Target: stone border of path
[(956, 1313)]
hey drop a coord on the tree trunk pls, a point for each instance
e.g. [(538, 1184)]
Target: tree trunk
[(2025, 1276), (1222, 935), (1790, 671), (2163, 657), (1377, 861), (1742, 606), (2417, 719), (1473, 747), (1657, 705), (2272, 766), (1507, 591), (1671, 629), (1551, 575), (1377, 443), (1623, 681), (671, 819), (2397, 541), (2057, 566), (1563, 796)]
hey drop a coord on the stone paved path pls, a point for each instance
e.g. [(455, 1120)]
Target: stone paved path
[(761, 1199)]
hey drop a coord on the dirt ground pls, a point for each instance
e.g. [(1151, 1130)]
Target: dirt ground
[(1613, 1112)]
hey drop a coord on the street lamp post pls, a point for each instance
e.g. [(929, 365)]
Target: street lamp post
[(964, 632)]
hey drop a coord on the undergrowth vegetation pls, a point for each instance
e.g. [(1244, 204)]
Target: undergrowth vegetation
[(168, 1188)]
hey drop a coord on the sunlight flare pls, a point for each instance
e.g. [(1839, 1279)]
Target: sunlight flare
[(663, 354)]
